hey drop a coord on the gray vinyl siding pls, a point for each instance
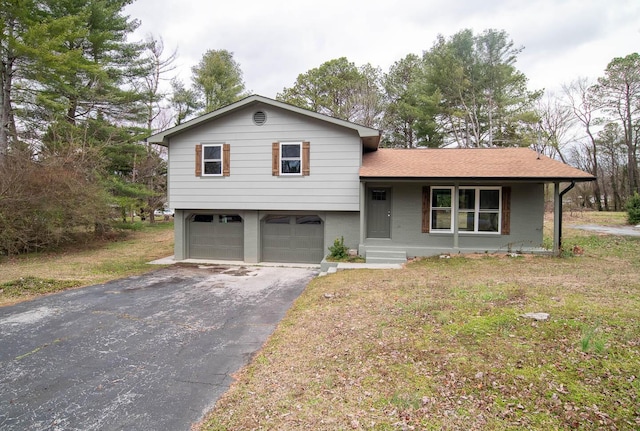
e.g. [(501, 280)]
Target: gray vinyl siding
[(333, 183), (527, 215), (343, 224)]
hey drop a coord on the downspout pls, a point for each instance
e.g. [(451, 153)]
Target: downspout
[(562, 193)]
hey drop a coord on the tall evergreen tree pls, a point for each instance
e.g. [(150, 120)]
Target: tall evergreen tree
[(481, 98), (340, 89), (401, 112), (218, 78), (184, 101), (16, 20)]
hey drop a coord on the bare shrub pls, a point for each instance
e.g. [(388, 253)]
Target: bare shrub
[(46, 201)]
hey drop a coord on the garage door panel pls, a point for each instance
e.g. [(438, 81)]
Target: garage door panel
[(293, 239), (216, 237)]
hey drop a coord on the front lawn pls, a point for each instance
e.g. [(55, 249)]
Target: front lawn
[(25, 276), (442, 344)]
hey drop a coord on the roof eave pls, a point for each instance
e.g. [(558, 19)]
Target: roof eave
[(494, 179), (370, 137)]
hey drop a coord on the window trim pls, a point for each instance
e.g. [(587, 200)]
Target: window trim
[(225, 159), (476, 211), (305, 155), (452, 208), (282, 159), (205, 160)]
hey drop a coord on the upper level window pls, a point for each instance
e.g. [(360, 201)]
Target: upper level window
[(291, 158), (212, 159)]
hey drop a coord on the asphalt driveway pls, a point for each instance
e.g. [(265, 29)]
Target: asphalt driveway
[(152, 352)]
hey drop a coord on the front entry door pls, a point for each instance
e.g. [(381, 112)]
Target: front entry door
[(379, 212)]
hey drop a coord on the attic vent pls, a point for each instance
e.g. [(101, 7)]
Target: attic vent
[(259, 118)]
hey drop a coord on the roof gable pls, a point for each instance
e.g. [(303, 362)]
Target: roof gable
[(468, 163), (370, 137)]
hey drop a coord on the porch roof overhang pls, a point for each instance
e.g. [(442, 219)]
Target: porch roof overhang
[(467, 179), (467, 165)]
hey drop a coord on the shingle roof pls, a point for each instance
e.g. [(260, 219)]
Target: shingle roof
[(467, 163)]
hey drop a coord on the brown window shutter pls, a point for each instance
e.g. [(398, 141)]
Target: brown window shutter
[(306, 152), (506, 211), (426, 208), (275, 159), (226, 160), (198, 160)]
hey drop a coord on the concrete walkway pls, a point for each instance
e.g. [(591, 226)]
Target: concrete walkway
[(332, 269)]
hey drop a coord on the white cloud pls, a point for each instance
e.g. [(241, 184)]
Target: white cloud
[(275, 41)]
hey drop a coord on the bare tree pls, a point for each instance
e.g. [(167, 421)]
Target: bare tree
[(150, 170), (612, 166), (584, 106), (157, 66), (619, 93), (555, 126)]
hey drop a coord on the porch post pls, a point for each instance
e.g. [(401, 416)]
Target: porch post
[(363, 210), (557, 215), (454, 207)]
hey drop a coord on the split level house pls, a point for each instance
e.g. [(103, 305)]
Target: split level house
[(264, 181)]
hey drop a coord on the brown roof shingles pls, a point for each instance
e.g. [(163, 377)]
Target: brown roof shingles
[(480, 163)]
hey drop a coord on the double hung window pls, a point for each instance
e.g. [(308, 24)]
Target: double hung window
[(442, 209), (291, 158), (212, 159)]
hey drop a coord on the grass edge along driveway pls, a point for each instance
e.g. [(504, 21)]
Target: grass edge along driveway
[(25, 277)]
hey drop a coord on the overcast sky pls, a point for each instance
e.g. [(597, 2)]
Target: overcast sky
[(276, 40)]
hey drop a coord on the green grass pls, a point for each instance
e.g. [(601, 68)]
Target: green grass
[(126, 252), (35, 286), (441, 344)]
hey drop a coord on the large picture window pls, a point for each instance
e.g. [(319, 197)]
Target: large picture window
[(479, 209)]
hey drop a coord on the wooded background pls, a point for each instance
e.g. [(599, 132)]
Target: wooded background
[(78, 98)]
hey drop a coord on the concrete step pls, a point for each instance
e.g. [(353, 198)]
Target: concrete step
[(386, 256)]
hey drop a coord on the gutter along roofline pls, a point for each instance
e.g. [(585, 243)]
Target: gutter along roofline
[(479, 179)]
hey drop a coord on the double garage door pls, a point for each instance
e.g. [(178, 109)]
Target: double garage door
[(284, 238)]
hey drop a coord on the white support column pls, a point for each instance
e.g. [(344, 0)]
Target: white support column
[(363, 212), (454, 208)]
